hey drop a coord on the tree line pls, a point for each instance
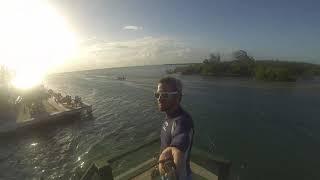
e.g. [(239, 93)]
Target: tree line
[(244, 65)]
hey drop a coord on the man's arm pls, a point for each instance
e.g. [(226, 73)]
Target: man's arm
[(182, 135), (171, 153), (180, 144)]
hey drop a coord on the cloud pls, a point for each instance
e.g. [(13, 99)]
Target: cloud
[(132, 28), (96, 53)]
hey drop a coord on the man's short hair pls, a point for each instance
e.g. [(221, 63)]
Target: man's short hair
[(173, 83)]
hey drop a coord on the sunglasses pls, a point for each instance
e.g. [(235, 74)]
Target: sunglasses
[(165, 95)]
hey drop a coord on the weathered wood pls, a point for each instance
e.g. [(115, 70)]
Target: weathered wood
[(203, 165)]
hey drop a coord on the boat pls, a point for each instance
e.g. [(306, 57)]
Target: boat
[(203, 165), (121, 78), (52, 109)]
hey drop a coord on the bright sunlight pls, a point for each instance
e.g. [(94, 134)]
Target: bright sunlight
[(34, 39)]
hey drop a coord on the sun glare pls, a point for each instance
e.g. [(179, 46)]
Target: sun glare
[(34, 39)]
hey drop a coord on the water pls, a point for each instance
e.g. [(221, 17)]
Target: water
[(273, 128)]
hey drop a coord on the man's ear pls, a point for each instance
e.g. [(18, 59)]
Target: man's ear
[(180, 97)]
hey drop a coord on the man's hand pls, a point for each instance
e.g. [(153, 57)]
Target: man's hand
[(171, 153)]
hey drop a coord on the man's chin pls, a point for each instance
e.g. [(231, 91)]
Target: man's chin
[(161, 108)]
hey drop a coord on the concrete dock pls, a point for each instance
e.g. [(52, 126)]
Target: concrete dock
[(53, 112)]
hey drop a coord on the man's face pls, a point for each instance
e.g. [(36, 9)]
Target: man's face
[(166, 103)]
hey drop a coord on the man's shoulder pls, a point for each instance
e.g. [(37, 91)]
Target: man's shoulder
[(186, 114), (185, 119)]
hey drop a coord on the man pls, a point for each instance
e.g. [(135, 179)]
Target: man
[(177, 129)]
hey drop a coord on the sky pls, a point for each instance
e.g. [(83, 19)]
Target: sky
[(115, 33)]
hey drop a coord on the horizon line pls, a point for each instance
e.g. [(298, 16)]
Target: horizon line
[(186, 63)]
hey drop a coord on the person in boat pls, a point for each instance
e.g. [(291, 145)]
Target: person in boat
[(177, 129)]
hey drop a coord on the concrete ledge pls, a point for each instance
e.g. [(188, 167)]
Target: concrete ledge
[(55, 117)]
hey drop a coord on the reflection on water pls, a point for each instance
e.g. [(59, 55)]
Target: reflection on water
[(34, 144)]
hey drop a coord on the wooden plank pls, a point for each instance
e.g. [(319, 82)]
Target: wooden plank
[(135, 173), (202, 172), (198, 172)]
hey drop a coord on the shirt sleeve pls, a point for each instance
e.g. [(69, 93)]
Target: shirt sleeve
[(182, 135)]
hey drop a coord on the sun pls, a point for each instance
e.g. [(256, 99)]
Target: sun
[(34, 38)]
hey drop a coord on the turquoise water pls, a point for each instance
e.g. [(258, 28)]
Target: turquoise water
[(273, 128)]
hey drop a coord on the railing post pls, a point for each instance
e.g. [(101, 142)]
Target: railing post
[(224, 171), (105, 172)]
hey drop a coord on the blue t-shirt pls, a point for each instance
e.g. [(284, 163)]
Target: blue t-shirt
[(177, 131)]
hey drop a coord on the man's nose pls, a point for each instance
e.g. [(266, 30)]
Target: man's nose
[(161, 99)]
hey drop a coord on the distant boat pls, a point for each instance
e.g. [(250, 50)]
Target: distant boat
[(122, 78)]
